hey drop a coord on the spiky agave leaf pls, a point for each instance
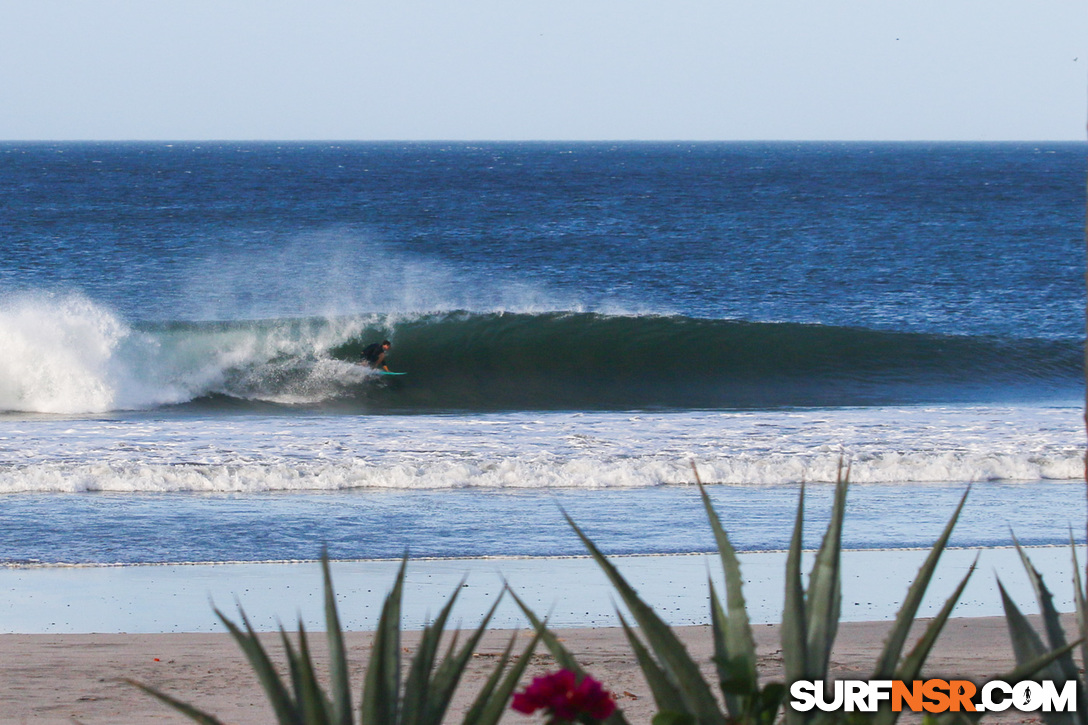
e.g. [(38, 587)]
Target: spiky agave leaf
[(666, 692), (893, 647), (1081, 602), (823, 599), (279, 696), (667, 648), (1051, 620), (1026, 644), (794, 629), (911, 666), (381, 687), (183, 707), (475, 713), (559, 652), (340, 684), (417, 686), (313, 705), (562, 655), (733, 676), (735, 648), (492, 702), (448, 674), (428, 690), (292, 661), (1044, 666), (1031, 668)]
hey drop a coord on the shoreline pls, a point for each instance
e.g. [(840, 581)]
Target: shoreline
[(71, 636), (19, 565), (572, 590)]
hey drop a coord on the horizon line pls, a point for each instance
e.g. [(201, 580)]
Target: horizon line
[(533, 141)]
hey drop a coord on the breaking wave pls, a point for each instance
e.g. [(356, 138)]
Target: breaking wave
[(70, 355)]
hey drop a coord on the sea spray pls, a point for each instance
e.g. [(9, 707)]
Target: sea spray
[(56, 354), (67, 354)]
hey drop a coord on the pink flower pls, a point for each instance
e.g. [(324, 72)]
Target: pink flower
[(565, 698)]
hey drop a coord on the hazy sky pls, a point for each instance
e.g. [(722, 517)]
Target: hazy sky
[(544, 69)]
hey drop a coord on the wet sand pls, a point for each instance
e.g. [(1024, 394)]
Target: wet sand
[(74, 633)]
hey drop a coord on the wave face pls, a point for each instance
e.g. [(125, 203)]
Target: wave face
[(69, 355)]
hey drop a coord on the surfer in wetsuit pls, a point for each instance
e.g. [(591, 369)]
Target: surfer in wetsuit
[(374, 355)]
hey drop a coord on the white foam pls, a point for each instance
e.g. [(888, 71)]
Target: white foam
[(67, 354), (537, 451), (56, 354)]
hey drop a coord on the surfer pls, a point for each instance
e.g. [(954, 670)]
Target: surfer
[(374, 354)]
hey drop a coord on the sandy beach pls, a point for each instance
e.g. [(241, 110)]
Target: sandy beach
[(73, 633), (61, 678)]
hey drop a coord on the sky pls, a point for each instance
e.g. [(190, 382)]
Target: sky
[(973, 70)]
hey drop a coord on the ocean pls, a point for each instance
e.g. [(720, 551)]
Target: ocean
[(579, 323)]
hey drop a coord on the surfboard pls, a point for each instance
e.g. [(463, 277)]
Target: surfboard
[(386, 372)]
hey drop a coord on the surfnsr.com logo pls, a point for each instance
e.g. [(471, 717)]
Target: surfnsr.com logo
[(933, 696)]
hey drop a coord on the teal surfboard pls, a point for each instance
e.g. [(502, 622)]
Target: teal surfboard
[(386, 372)]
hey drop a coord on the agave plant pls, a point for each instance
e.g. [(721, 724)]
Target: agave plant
[(810, 621), (422, 699), (1053, 660)]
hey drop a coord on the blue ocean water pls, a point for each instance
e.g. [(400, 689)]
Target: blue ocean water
[(180, 326)]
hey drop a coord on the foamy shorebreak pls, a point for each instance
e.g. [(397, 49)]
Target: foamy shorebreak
[(539, 450)]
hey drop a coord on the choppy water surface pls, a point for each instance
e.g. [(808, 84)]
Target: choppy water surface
[(180, 326)]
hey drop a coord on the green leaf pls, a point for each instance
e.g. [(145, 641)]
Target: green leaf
[(737, 640), (893, 647), (824, 595), (1045, 663), (794, 636), (1026, 645), (451, 670), (911, 666), (381, 689), (1051, 619), (495, 706), (1031, 668), (278, 696), (1081, 602), (483, 697), (562, 655), (673, 718), (737, 683), (292, 665), (666, 693), (184, 708), (312, 703), (1055, 636), (770, 700), (416, 699), (668, 649), (338, 661)]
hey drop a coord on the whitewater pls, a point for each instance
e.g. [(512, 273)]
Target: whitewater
[(257, 453), (583, 327), (259, 407)]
